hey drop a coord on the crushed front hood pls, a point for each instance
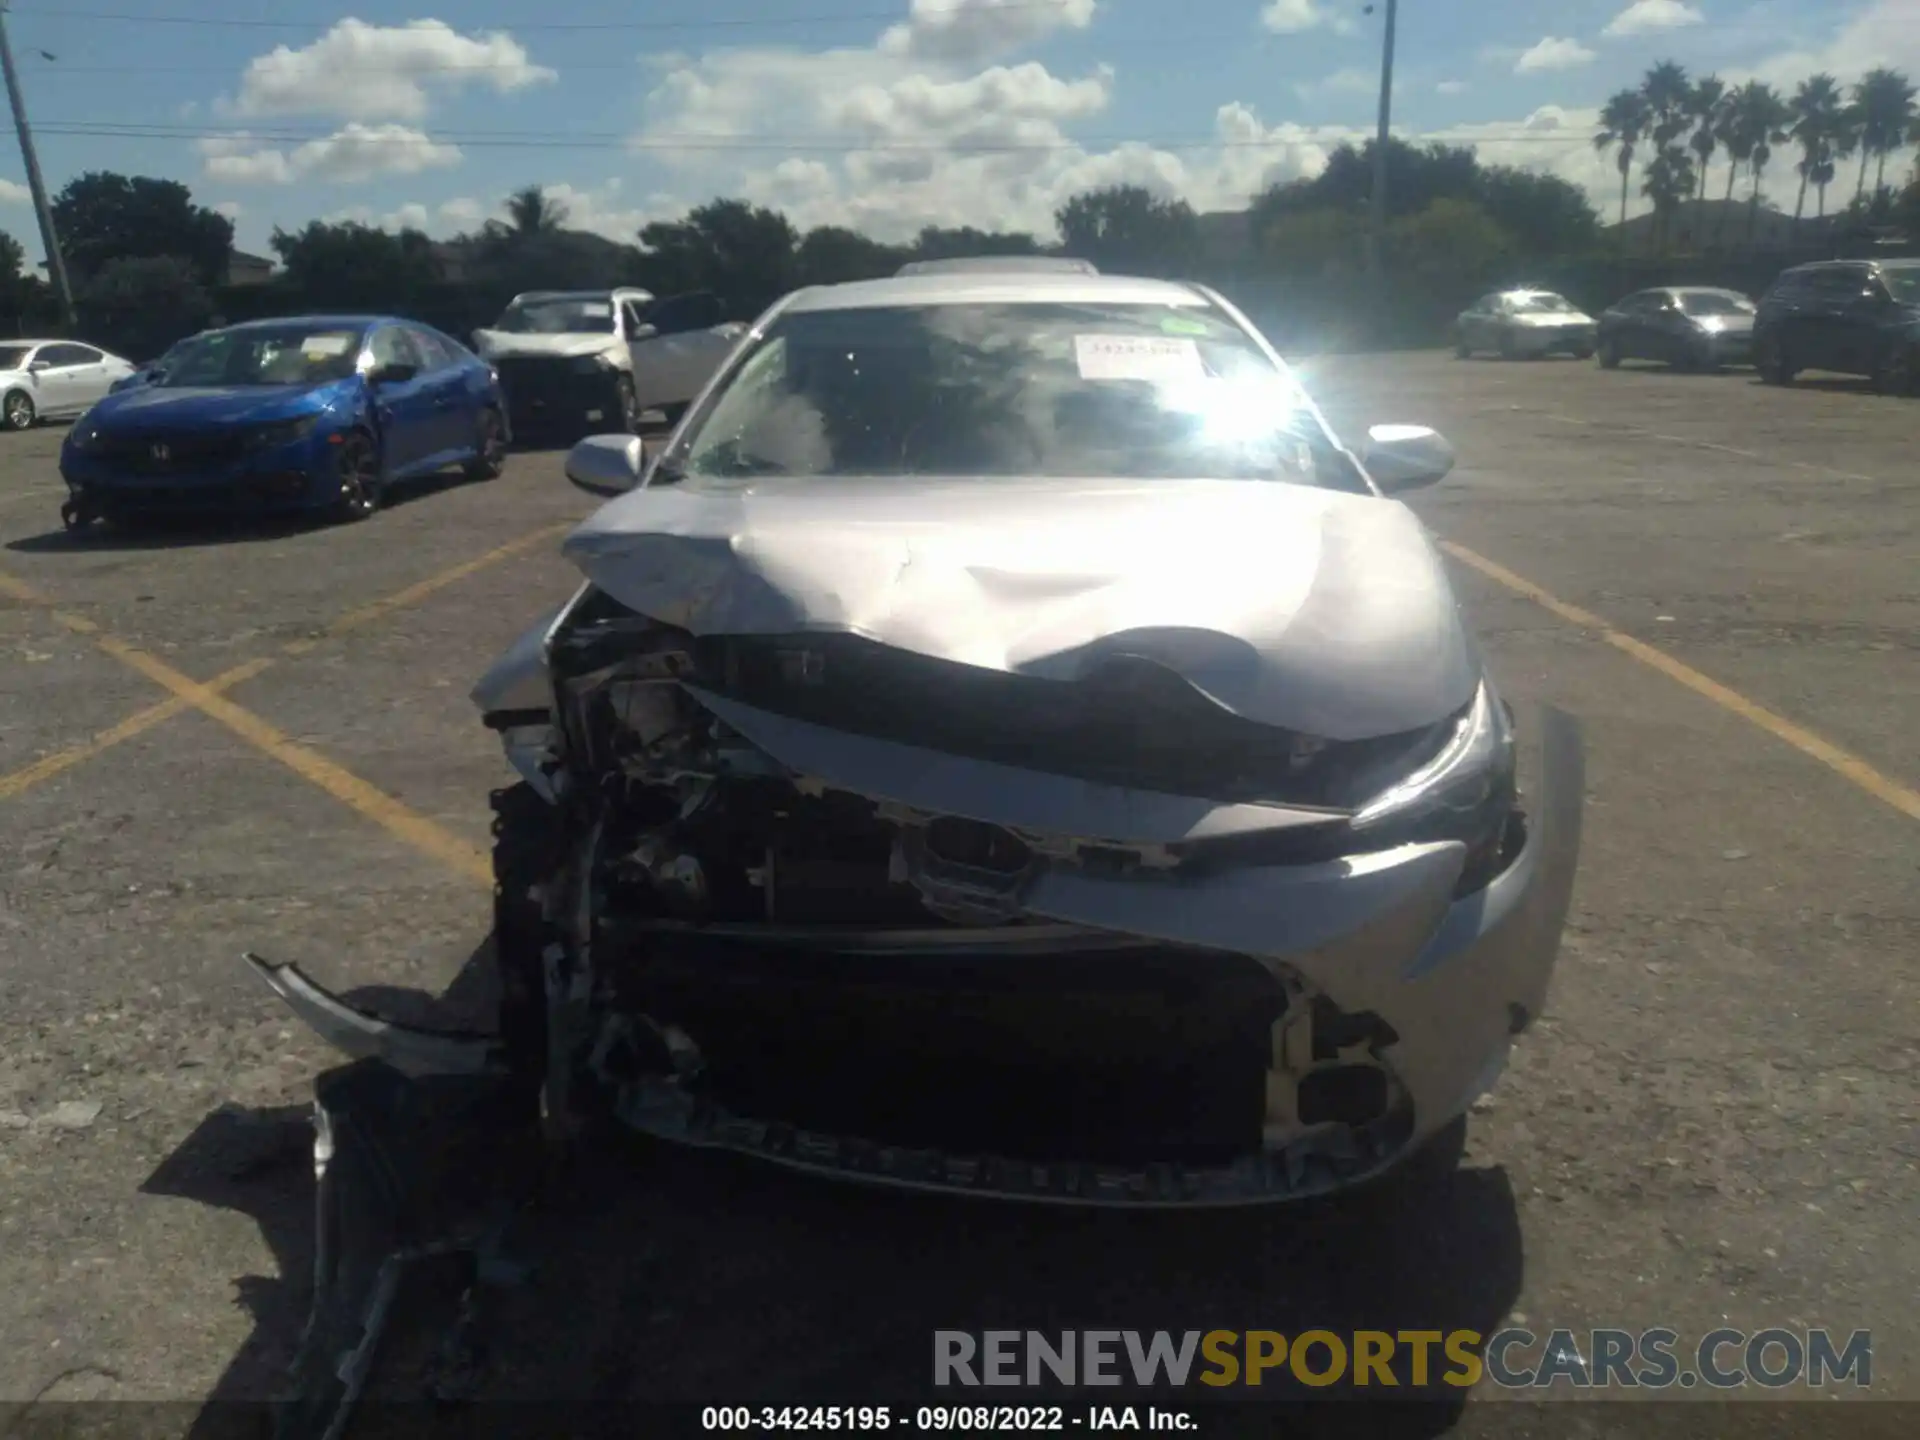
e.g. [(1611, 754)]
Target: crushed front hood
[(499, 344), (1309, 609)]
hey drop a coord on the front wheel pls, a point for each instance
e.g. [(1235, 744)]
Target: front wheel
[(629, 407), (18, 411), (1508, 350), (358, 465), (1770, 359), (1609, 355), (1897, 370), (489, 449)]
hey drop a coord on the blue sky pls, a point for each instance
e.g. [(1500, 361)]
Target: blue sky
[(881, 113)]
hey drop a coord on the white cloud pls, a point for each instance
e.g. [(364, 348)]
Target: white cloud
[(1291, 17), (1552, 53), (232, 209), (1644, 17), (1341, 82), (12, 192), (462, 213), (1886, 32), (1451, 87), (966, 31), (353, 153), (377, 72)]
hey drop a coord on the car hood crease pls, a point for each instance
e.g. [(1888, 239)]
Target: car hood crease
[(1313, 610)]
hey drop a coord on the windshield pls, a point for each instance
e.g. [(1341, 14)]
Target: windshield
[(280, 355), (1003, 390), (1903, 281), (12, 357), (558, 315), (1542, 303), (1710, 302)]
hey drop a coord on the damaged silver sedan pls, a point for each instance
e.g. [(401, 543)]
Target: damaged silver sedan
[(1007, 743)]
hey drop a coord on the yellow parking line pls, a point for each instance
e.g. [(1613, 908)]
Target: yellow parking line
[(413, 594), (48, 766), (1841, 762), (349, 789)]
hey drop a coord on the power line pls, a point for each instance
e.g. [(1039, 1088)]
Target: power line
[(716, 22), (785, 141)]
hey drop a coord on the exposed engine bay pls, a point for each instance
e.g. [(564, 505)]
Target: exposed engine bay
[(742, 938)]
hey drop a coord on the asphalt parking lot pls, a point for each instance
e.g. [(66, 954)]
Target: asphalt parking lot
[(219, 741)]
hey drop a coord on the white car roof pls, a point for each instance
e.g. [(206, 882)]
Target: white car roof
[(995, 288)]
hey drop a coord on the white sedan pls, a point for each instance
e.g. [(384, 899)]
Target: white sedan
[(1517, 323), (54, 379)]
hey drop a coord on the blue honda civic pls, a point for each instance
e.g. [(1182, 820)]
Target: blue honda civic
[(315, 413)]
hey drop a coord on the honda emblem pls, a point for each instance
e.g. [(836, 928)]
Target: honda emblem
[(162, 454)]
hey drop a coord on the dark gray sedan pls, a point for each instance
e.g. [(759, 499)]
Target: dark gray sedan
[(1686, 327)]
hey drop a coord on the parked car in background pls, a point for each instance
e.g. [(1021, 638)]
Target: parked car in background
[(1523, 323), (1687, 327), (578, 360), (147, 373), (322, 412), (1000, 265), (1856, 317), (54, 379), (1008, 743)]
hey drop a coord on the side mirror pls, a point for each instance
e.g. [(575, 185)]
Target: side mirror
[(1406, 457), (40, 365), (645, 331), (606, 464), (398, 373)]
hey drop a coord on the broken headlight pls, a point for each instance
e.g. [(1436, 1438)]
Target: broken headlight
[(1464, 792)]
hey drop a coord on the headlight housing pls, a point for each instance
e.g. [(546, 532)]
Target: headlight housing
[(1464, 792), (596, 364), (280, 432)]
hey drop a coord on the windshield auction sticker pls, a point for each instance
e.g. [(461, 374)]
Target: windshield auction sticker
[(1137, 357)]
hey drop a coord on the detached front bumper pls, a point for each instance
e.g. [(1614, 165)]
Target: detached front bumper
[(1272, 995)]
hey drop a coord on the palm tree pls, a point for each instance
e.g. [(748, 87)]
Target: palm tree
[(1737, 139), (1816, 122), (1754, 121), (1669, 96), (1623, 125), (534, 212), (1885, 99), (1709, 113)]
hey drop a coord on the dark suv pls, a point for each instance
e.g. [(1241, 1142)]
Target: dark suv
[(1857, 317)]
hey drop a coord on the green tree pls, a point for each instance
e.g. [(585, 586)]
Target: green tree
[(1757, 120), (833, 255), (355, 266), (1625, 121), (936, 242), (1709, 103), (1312, 242), (139, 305), (744, 253), (1541, 214), (101, 216), (1128, 228), (1454, 241), (1885, 99), (532, 211), (1417, 175), (1817, 118), (1667, 178)]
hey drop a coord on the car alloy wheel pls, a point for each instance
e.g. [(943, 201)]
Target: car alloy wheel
[(1768, 360), (1897, 371), (19, 411), (490, 458), (359, 464)]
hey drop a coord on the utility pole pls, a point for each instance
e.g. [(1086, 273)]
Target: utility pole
[(56, 267), (1377, 221)]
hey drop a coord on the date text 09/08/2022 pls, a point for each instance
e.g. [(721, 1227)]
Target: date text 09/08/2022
[(978, 1419)]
